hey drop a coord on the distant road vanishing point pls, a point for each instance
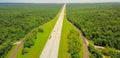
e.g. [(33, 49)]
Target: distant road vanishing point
[(51, 48)]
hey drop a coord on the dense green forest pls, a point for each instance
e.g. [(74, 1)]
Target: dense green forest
[(17, 20), (99, 22)]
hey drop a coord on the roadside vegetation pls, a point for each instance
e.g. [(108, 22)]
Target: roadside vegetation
[(93, 52), (111, 52), (71, 43), (35, 45), (17, 20), (74, 44), (99, 23), (30, 39), (105, 52)]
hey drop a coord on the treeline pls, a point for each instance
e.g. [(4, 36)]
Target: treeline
[(74, 44), (30, 38), (4, 48), (112, 52), (17, 20), (101, 53), (98, 22), (94, 53)]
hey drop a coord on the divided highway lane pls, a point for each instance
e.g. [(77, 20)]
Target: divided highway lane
[(51, 48)]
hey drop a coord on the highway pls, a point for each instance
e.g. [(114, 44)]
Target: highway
[(51, 48)]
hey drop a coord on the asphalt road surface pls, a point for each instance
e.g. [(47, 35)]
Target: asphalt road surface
[(51, 48)]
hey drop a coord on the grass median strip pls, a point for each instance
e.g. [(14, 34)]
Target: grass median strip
[(64, 42)]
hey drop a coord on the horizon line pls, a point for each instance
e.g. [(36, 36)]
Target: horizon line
[(59, 2)]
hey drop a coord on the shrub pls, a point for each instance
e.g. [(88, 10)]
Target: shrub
[(40, 30), (94, 53), (74, 44)]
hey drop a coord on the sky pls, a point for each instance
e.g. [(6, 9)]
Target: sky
[(58, 1)]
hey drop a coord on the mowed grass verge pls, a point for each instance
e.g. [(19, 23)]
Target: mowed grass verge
[(35, 51), (63, 50)]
